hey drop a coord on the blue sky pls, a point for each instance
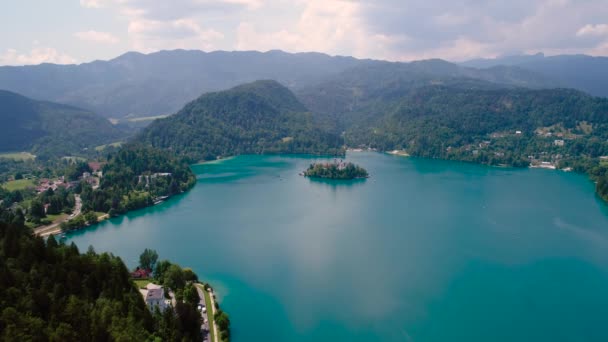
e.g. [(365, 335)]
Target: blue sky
[(76, 31)]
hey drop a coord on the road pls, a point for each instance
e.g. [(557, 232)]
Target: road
[(210, 311), (55, 227)]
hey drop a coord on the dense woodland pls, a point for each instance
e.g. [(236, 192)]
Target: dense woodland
[(134, 177), (49, 291), (261, 117), (343, 171), (49, 129)]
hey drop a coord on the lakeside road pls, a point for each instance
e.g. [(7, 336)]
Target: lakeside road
[(204, 295), (55, 228)]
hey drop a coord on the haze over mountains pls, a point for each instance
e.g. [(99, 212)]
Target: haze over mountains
[(586, 73), (50, 129), (160, 83)]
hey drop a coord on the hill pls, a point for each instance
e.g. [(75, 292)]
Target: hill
[(142, 85), (50, 291), (259, 117), (359, 92), (50, 129), (451, 122), (582, 72)]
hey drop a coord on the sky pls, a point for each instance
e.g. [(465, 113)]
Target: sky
[(78, 31)]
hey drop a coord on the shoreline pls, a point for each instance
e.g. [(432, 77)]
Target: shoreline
[(102, 218), (215, 161)]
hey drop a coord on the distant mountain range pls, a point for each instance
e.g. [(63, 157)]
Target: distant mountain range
[(161, 83), (50, 129), (582, 72), (140, 85)]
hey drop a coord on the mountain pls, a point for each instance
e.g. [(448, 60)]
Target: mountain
[(141, 85), (160, 83), (366, 90), (582, 72), (258, 117), (50, 129)]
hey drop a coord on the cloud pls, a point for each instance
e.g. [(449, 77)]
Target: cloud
[(332, 26), (92, 3), (97, 37), (152, 35), (593, 30), (35, 56), (383, 29)]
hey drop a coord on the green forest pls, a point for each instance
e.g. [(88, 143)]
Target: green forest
[(261, 117), (51, 130), (134, 177), (343, 171), (49, 291)]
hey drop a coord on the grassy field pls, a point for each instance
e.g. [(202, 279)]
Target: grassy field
[(141, 283), (103, 147), (55, 218), (18, 155), (19, 184)]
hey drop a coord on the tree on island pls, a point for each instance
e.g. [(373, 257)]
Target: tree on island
[(148, 259), (336, 170)]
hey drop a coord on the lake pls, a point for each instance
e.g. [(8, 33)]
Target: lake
[(424, 250)]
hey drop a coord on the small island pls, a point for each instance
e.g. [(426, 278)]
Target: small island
[(336, 170)]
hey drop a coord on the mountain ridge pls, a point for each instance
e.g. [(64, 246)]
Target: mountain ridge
[(48, 128), (161, 83)]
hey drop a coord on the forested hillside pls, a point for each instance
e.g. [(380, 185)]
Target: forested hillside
[(261, 117), (371, 90), (437, 121), (51, 292), (134, 177), (50, 129)]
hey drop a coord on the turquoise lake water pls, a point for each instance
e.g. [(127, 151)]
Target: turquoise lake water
[(424, 250)]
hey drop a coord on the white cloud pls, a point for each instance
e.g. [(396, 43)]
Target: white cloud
[(152, 35), (97, 37), (35, 56), (383, 29), (331, 26), (593, 30), (92, 3)]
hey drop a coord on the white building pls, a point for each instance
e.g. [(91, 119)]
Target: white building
[(154, 295)]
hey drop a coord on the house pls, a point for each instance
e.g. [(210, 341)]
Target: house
[(154, 296), (517, 132), (96, 166), (558, 142), (604, 158), (140, 273)]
